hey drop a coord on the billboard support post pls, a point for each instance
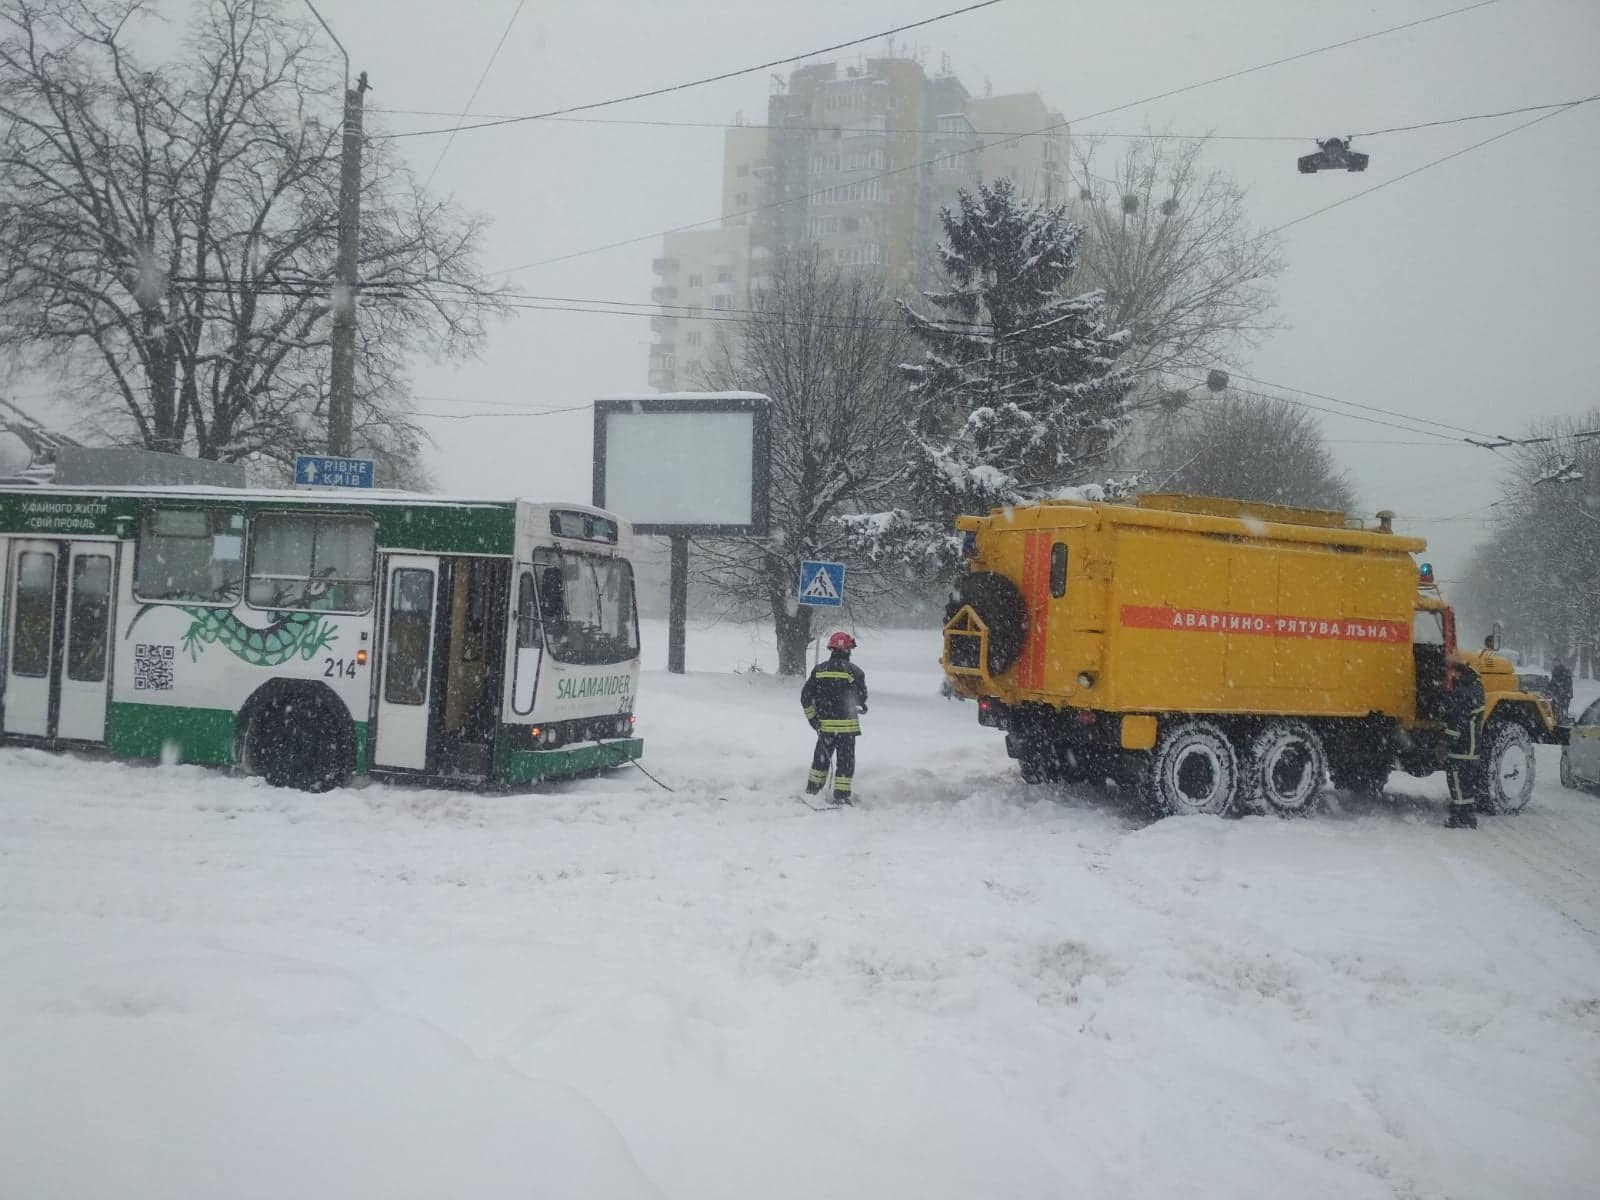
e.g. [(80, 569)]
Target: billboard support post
[(678, 605)]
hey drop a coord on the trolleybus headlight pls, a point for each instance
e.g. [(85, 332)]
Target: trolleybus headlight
[(1085, 679)]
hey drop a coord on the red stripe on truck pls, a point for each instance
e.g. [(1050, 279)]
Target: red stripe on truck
[(1036, 598), (1210, 620)]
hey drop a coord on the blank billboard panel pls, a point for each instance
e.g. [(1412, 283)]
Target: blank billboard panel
[(684, 464)]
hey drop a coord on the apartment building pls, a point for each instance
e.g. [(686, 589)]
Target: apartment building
[(856, 161)]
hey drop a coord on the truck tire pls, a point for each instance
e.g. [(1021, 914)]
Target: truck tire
[(1192, 771), (999, 606), (1283, 769), (1503, 780)]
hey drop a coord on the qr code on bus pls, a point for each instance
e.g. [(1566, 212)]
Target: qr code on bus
[(152, 667)]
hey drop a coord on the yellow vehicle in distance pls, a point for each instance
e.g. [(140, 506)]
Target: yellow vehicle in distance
[(1217, 655)]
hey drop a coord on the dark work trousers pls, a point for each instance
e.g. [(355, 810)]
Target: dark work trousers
[(841, 749)]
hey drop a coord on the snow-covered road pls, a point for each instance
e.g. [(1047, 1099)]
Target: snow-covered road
[(964, 988)]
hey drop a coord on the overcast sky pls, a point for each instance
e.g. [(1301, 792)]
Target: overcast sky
[(1465, 294)]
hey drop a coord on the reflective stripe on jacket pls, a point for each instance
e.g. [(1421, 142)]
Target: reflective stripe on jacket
[(834, 694)]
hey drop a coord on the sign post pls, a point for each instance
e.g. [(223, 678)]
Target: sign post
[(327, 470)]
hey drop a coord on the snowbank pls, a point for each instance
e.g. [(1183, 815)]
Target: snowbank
[(967, 987)]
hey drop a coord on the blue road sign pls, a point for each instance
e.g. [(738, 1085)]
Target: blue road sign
[(822, 584), (323, 470)]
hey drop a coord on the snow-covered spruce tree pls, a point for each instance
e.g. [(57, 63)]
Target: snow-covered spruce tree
[(1020, 388)]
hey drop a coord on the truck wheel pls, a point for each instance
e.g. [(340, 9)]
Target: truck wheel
[(1192, 771), (1284, 769), (1504, 777)]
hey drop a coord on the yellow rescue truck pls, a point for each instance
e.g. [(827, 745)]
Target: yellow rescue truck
[(1216, 655)]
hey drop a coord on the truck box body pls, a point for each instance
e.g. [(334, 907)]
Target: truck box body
[(1205, 612)]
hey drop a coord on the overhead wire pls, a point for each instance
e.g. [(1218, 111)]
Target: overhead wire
[(1505, 133), (694, 83), (842, 129), (627, 308), (1353, 404), (917, 166), (1147, 135), (476, 88)]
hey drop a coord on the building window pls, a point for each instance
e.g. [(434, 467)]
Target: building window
[(867, 255), (695, 311), (724, 276), (742, 199), (722, 301), (696, 280), (693, 339)]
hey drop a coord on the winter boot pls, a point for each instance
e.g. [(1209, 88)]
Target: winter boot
[(1461, 817), (839, 801)]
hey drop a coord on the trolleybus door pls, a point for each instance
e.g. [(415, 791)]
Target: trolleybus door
[(57, 676), (31, 636), (84, 669), (406, 682)]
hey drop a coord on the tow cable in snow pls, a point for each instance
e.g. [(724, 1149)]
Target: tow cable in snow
[(635, 763)]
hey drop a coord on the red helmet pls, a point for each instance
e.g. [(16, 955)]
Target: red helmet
[(841, 641)]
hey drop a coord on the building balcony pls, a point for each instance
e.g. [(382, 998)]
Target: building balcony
[(663, 266), (662, 325), (664, 295), (661, 378)]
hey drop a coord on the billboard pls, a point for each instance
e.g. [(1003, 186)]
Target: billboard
[(684, 463)]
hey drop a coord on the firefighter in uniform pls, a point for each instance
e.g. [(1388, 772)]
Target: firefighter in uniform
[(833, 697), (1463, 716)]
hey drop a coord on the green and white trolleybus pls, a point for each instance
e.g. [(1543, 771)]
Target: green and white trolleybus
[(308, 636)]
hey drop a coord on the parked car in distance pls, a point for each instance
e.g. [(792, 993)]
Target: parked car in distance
[(1580, 757)]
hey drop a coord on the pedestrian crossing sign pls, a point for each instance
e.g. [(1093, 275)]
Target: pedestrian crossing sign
[(822, 584)]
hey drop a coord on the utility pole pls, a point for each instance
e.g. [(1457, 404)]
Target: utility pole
[(342, 377), (342, 373)]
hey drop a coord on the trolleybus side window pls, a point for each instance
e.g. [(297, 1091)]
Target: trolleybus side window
[(190, 555), (530, 638), (86, 627), (35, 603), (409, 644), (588, 607), (311, 561)]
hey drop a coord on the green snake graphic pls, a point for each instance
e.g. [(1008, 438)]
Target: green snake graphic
[(290, 633)]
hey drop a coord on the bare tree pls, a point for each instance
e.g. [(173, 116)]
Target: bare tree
[(1538, 575), (1170, 244), (168, 232), (1248, 448), (824, 345)]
